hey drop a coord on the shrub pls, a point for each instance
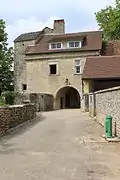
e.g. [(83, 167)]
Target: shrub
[(9, 97), (1, 101)]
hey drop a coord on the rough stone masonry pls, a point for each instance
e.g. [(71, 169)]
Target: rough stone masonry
[(11, 116)]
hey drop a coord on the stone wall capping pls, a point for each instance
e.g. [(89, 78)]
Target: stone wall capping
[(107, 90), (14, 106), (91, 93)]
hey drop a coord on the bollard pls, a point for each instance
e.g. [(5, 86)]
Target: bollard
[(108, 126)]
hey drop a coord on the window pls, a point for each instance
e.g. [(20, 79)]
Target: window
[(71, 44), (55, 46), (24, 87), (77, 66), (58, 45), (53, 69), (77, 44), (74, 44)]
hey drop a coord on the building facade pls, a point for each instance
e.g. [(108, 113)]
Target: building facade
[(52, 61)]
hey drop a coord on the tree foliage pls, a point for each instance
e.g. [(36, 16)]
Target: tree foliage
[(109, 21), (6, 60)]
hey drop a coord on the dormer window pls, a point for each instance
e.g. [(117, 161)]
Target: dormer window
[(55, 46), (74, 44)]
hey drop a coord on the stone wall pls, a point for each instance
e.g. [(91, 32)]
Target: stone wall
[(20, 97), (19, 60), (20, 64), (43, 102), (107, 102), (11, 116)]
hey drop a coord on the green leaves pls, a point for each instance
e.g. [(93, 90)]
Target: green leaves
[(3, 35), (109, 21), (6, 60)]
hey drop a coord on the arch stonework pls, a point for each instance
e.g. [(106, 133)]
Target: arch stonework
[(67, 97)]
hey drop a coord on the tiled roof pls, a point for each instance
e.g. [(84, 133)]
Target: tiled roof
[(93, 41), (27, 36), (102, 67)]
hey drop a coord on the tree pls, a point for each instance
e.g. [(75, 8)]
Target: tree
[(6, 60), (109, 21)]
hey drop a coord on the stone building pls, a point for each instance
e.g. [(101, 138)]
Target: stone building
[(52, 61)]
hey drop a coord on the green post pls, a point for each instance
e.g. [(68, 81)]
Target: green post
[(108, 126)]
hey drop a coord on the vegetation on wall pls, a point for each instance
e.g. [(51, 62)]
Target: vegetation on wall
[(2, 103), (8, 97), (109, 21)]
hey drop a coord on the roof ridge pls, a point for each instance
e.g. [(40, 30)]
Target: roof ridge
[(74, 33), (31, 32), (31, 35), (35, 31), (84, 32), (27, 36)]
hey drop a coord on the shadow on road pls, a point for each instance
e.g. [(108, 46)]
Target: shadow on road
[(22, 128)]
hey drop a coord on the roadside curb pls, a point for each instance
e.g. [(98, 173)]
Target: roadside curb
[(112, 139)]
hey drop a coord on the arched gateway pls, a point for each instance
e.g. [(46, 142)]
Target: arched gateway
[(67, 97)]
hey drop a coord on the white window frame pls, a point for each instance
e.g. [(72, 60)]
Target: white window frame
[(80, 44), (75, 65), (57, 68), (56, 45)]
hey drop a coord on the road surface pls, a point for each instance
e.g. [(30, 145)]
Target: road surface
[(59, 145)]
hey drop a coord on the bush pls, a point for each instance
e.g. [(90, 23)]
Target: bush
[(1, 101), (9, 97)]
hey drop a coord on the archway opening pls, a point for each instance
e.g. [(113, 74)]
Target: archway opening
[(67, 97)]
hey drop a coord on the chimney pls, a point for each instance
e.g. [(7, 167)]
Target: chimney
[(59, 26)]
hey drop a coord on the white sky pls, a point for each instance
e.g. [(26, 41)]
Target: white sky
[(32, 15)]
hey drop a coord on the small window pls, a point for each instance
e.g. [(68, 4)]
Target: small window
[(24, 87), (53, 46), (77, 62), (53, 69), (77, 44), (77, 69), (73, 44), (77, 66), (56, 46)]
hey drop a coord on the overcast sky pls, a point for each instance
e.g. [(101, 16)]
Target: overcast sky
[(32, 15)]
